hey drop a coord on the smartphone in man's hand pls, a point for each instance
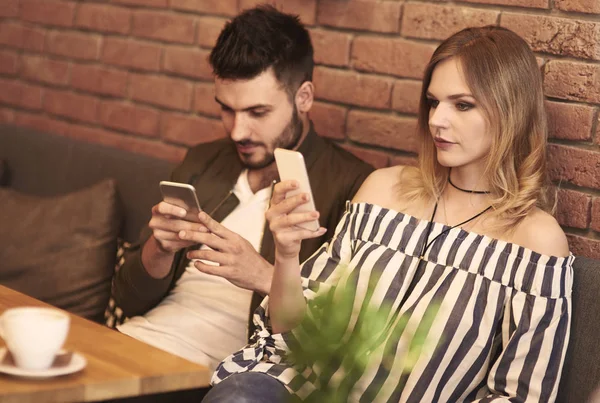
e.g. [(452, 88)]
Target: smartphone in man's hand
[(180, 194)]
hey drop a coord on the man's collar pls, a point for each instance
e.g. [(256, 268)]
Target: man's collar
[(311, 143)]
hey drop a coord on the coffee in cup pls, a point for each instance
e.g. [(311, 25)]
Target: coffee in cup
[(34, 335)]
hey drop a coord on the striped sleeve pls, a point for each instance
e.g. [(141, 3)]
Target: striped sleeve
[(534, 343), (266, 350)]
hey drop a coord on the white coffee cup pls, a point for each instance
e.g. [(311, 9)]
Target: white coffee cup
[(34, 335)]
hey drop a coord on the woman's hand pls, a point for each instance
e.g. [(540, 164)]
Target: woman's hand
[(283, 221)]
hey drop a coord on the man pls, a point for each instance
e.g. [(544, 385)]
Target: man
[(196, 302)]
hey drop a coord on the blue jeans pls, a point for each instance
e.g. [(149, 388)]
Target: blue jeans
[(248, 387)]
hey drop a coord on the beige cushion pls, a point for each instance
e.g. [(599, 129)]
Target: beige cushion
[(61, 249)]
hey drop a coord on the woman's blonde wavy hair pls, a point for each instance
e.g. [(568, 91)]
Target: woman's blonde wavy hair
[(502, 74)]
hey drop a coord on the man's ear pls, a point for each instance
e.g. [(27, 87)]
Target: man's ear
[(305, 97)]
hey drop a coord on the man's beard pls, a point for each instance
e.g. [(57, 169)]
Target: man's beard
[(289, 138)]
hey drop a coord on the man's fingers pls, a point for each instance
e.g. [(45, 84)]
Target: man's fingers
[(164, 208), (213, 226), (209, 268), (210, 255), (175, 225), (208, 239)]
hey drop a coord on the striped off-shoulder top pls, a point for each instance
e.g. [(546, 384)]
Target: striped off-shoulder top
[(500, 333)]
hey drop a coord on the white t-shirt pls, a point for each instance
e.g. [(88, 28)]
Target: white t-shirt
[(205, 318)]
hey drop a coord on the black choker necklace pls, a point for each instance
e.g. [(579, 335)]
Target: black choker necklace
[(477, 192)]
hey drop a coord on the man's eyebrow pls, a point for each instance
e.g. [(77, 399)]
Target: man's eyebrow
[(257, 106), (454, 96)]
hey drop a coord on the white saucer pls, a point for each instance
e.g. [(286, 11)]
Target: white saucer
[(78, 362)]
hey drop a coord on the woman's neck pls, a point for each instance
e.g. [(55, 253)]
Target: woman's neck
[(468, 180)]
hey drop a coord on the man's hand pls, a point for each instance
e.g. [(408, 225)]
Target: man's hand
[(239, 263), (166, 223)]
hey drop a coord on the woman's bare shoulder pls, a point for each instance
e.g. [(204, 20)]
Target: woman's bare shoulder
[(540, 232), (384, 185)]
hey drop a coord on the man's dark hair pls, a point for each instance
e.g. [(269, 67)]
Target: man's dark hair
[(260, 38)]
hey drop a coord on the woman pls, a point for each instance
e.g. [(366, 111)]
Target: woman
[(466, 230)]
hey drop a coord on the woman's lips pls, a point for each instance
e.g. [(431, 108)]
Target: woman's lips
[(442, 143)]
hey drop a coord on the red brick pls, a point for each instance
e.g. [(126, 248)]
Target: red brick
[(136, 145), (378, 159), (572, 80), (188, 62), (130, 118), (329, 120), (209, 29), (75, 106), (75, 45), (20, 94), (10, 8), (223, 7), (103, 18), (369, 15), (383, 130), (191, 130), (595, 225), (580, 167), (569, 121), (99, 80), (559, 36), (162, 91), (353, 88), (331, 48), (49, 12), (8, 62), (582, 246), (143, 3), (391, 56), (573, 208), (42, 123), (45, 70), (131, 53), (404, 160), (162, 26), (433, 21), (515, 3), (11, 34), (597, 138), (22, 37), (582, 6), (7, 115), (204, 100), (305, 9), (406, 95)]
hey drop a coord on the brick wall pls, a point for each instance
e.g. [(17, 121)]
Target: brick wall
[(134, 74)]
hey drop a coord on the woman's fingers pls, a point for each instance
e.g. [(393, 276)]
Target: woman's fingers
[(281, 189), (292, 220), (286, 206), (297, 235)]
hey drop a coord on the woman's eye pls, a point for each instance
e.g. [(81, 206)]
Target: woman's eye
[(433, 103), (464, 106)]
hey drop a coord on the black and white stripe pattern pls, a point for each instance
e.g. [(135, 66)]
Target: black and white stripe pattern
[(500, 333)]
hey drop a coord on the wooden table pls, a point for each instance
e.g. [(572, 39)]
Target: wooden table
[(117, 366)]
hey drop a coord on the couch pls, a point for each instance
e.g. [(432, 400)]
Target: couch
[(47, 165), (55, 248)]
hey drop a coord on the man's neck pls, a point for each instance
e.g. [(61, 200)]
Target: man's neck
[(261, 178)]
